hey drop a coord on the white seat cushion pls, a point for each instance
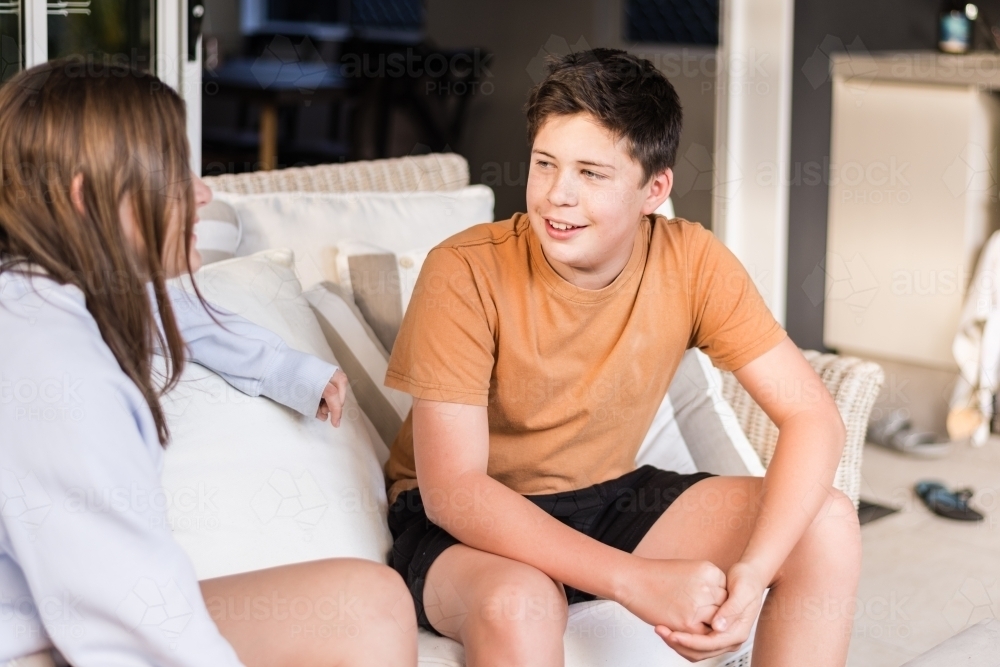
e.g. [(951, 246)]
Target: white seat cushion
[(251, 483), (599, 633)]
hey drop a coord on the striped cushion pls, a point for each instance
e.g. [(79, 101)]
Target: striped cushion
[(363, 358)]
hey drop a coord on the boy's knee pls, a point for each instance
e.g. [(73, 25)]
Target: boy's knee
[(523, 603), (840, 507), (836, 528)]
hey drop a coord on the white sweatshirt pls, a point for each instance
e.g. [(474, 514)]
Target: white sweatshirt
[(106, 583)]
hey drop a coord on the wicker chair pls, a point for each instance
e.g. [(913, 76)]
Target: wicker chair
[(854, 383)]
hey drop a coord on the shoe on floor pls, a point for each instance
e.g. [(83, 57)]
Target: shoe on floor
[(949, 504), (895, 431)]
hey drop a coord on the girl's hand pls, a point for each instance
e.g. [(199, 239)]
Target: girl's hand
[(331, 405)]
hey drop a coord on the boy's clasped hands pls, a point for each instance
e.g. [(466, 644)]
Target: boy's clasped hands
[(696, 608)]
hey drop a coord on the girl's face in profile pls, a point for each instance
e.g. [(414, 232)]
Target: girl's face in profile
[(173, 256)]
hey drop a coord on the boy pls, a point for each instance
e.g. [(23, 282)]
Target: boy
[(538, 350)]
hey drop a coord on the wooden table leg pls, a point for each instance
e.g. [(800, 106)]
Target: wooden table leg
[(268, 150)]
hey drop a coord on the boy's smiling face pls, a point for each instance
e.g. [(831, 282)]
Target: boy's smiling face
[(580, 175)]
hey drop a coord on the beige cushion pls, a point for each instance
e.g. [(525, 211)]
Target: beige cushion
[(370, 279), (976, 646), (379, 282)]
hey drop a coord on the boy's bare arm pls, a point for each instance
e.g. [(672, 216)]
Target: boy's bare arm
[(451, 448), (797, 482)]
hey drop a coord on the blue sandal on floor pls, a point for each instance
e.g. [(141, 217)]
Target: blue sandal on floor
[(949, 504)]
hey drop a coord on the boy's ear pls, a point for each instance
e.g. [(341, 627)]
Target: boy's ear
[(659, 189)]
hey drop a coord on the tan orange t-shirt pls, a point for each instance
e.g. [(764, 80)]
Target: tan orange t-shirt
[(571, 377)]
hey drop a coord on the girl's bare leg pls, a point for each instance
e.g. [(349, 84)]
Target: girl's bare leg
[(340, 611)]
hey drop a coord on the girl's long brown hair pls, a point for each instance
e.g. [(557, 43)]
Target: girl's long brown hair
[(124, 131)]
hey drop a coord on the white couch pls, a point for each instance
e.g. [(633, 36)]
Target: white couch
[(282, 488)]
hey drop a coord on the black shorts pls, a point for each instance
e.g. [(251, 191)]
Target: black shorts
[(618, 513)]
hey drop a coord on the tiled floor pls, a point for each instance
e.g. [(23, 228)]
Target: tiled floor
[(924, 578)]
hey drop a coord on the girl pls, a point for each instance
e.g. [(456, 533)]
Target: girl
[(97, 209)]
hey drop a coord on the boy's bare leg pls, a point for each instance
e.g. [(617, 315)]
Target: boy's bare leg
[(503, 611), (341, 611), (808, 613)]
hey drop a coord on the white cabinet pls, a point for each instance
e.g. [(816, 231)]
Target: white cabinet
[(913, 196)]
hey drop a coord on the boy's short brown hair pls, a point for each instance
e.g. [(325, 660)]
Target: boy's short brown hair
[(627, 95)]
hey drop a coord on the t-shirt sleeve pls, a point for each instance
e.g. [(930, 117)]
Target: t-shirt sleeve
[(445, 348), (731, 322)]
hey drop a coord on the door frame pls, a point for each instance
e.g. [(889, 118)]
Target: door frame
[(753, 139)]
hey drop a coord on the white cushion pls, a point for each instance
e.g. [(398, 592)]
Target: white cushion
[(218, 231), (598, 633), (666, 209), (253, 484), (312, 224), (695, 429)]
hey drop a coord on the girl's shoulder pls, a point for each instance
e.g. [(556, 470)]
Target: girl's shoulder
[(48, 332)]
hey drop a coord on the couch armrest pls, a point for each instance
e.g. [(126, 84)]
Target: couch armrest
[(854, 384), (435, 171)]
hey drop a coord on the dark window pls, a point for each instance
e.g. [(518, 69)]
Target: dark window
[(399, 14), (316, 11), (672, 21)]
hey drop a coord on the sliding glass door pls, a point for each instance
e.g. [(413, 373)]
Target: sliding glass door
[(151, 35), (102, 30), (11, 38)]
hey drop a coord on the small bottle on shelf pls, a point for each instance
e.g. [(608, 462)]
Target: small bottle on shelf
[(955, 24)]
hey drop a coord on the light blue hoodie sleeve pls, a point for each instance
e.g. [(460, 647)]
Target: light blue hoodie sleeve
[(249, 357)]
